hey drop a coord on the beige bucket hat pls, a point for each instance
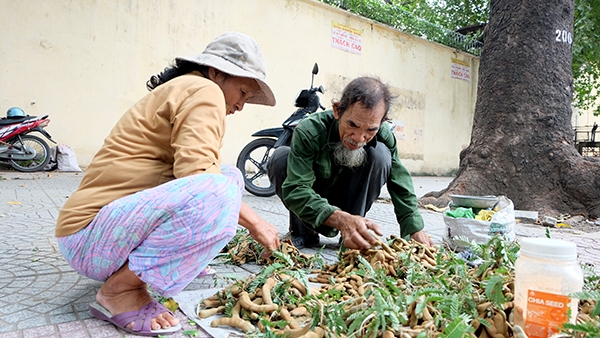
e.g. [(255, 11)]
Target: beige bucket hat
[(237, 54)]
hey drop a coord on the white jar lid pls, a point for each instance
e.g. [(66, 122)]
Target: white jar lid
[(549, 248)]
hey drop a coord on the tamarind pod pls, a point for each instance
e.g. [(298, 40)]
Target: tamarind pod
[(585, 307), (299, 286), (257, 301), (475, 323), (285, 315), (353, 252), (584, 317), (320, 280), (234, 289), (213, 297), (340, 279), (430, 260), (358, 279), (247, 304), (295, 283), (409, 332), (355, 308), (352, 292), (426, 315), (361, 290), (296, 292), (492, 330), (239, 323), (484, 334), (296, 333), (250, 314), (353, 284), (429, 325), (499, 319), (299, 311), (318, 332), (519, 333), (426, 264), (378, 257), (388, 334), (346, 270), (332, 267), (387, 248), (391, 270), (396, 246), (212, 303), (413, 320), (508, 305), (211, 312), (411, 308), (405, 335), (389, 256), (483, 306)]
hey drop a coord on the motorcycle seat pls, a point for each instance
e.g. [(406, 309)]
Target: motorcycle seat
[(12, 120)]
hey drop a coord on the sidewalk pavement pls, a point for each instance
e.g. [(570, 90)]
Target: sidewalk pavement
[(41, 296)]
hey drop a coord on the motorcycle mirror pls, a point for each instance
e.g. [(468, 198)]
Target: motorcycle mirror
[(314, 72), (321, 90)]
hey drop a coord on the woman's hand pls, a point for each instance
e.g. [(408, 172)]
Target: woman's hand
[(260, 230), (266, 234)]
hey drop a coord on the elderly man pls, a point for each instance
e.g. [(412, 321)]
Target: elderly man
[(335, 168)]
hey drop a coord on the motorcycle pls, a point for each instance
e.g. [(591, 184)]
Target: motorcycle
[(25, 152), (252, 160)]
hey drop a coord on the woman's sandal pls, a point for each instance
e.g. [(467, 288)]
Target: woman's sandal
[(141, 319), (208, 271)]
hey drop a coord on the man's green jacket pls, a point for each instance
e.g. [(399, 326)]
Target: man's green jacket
[(310, 164)]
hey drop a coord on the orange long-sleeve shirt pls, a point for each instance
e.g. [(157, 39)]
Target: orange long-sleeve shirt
[(174, 131)]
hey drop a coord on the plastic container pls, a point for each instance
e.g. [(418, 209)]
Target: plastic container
[(546, 272)]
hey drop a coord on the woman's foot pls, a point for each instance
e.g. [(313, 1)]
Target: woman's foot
[(124, 292)]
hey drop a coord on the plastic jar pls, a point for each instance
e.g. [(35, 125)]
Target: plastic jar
[(546, 272)]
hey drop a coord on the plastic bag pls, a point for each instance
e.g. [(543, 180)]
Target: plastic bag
[(65, 157), (459, 230)]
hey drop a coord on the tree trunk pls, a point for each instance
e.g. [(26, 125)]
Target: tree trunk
[(522, 139)]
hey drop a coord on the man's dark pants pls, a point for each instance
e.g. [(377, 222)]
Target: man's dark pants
[(355, 194)]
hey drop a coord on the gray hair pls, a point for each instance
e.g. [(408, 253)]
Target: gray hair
[(369, 91)]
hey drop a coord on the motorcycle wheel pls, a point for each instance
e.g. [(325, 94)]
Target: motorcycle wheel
[(252, 162), (32, 143)]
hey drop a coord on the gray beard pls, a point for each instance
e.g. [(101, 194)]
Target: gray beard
[(349, 158)]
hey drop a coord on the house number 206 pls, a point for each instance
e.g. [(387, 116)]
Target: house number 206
[(563, 36)]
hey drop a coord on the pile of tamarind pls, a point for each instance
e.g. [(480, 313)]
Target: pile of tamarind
[(248, 306), (259, 305)]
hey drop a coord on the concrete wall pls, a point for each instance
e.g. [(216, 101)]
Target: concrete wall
[(84, 62)]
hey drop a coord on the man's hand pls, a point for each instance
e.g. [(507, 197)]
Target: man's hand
[(422, 237), (354, 229)]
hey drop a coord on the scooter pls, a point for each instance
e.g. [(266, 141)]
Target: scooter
[(252, 160), (25, 152)]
